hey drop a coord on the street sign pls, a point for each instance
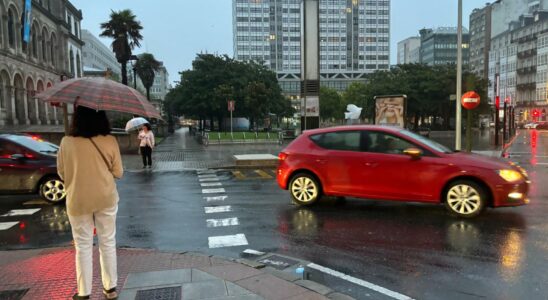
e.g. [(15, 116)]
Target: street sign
[(230, 105), (470, 100)]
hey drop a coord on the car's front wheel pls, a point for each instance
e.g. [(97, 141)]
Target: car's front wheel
[(465, 198), (304, 189), (52, 189)]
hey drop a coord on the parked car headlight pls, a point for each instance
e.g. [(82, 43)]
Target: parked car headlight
[(510, 175)]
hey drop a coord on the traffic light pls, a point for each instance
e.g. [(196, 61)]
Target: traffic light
[(535, 113)]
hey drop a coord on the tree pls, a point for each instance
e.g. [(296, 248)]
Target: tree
[(213, 79), (332, 106), (126, 32), (145, 68)]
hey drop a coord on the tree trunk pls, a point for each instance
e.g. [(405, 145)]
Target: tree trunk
[(221, 125), (124, 72), (212, 124), (148, 93)]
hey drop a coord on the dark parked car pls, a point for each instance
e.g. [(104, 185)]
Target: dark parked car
[(387, 163), (29, 165)]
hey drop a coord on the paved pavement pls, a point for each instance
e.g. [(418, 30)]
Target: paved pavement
[(146, 274), (181, 151)]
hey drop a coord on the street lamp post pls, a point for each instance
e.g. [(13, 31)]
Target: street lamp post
[(134, 60), (458, 120)]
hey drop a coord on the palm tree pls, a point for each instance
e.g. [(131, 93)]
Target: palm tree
[(145, 68), (125, 31)]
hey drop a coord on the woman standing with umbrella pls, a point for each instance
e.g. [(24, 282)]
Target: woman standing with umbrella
[(147, 144), (88, 161)]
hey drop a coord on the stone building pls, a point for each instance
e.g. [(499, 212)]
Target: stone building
[(53, 53)]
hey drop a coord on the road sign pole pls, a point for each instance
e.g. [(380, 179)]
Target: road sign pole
[(469, 131)]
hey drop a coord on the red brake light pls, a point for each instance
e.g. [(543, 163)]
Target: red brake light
[(282, 156)]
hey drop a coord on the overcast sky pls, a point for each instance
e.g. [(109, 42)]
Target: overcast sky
[(175, 30)]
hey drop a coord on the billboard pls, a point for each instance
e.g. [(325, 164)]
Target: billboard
[(312, 106), (390, 110), (26, 21)]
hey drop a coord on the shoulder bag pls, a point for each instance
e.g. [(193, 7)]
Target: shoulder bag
[(102, 155)]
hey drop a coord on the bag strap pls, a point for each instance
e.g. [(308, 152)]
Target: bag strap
[(102, 155)]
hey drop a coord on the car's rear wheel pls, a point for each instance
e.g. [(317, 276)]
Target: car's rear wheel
[(304, 189), (52, 189), (465, 198)]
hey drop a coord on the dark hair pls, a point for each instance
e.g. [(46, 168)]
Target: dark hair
[(148, 126), (87, 122)]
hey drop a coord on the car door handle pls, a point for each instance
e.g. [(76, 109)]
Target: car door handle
[(370, 164), (321, 161)]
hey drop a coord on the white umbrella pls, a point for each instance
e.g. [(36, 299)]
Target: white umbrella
[(135, 123)]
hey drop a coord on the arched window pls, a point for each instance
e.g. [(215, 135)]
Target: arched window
[(52, 49), (34, 42), (44, 46), (78, 67), (71, 54), (11, 29)]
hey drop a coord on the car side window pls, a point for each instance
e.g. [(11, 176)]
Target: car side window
[(339, 140), (380, 142), (7, 149)]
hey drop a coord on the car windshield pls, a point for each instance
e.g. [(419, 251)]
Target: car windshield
[(434, 145), (35, 144)]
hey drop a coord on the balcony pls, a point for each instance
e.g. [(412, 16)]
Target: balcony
[(527, 70), (527, 86), (527, 53)]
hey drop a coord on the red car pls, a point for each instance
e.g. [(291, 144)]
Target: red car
[(389, 163)]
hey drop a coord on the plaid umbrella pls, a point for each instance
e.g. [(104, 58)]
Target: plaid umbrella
[(100, 94)]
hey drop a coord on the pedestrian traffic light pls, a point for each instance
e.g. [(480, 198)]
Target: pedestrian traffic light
[(535, 113)]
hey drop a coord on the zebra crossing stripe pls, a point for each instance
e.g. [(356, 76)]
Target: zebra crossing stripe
[(222, 222), (215, 198), (217, 209), (207, 176), (227, 241), (207, 184), (21, 212), (7, 225), (206, 172), (213, 191), (253, 252), (207, 179)]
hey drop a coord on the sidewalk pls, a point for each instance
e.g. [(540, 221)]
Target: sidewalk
[(181, 151), (148, 274)]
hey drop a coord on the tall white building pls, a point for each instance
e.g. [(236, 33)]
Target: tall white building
[(97, 56), (409, 50), (354, 39)]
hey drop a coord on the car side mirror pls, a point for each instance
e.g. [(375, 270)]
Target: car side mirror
[(414, 153), (17, 157)]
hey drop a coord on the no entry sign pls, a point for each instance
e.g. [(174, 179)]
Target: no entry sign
[(230, 105), (470, 100)]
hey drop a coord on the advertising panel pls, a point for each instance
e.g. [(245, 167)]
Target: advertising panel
[(390, 110)]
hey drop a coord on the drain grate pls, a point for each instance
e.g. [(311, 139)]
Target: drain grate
[(13, 294), (170, 293)]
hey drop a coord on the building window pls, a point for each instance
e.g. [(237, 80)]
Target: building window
[(34, 43), (52, 50), (11, 29), (44, 48), (78, 68), (71, 54)]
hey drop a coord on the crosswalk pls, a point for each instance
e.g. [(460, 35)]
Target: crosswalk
[(214, 195), (6, 223)]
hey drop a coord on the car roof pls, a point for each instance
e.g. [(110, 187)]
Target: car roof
[(392, 129)]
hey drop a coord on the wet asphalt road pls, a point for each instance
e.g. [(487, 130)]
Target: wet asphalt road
[(414, 249)]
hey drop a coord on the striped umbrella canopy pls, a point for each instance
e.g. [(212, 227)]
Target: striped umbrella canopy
[(100, 94)]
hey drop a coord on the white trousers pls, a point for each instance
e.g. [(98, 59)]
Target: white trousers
[(82, 232)]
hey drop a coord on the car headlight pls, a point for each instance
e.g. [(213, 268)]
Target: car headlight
[(510, 175)]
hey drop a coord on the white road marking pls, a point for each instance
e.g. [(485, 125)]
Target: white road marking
[(21, 212), (227, 241), (253, 252), (7, 225), (209, 179), (215, 198), (207, 176), (360, 282), (217, 209), (222, 222), (203, 172), (206, 184), (213, 191)]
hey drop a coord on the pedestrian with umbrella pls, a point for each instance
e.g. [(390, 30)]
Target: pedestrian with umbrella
[(147, 144), (89, 161)]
